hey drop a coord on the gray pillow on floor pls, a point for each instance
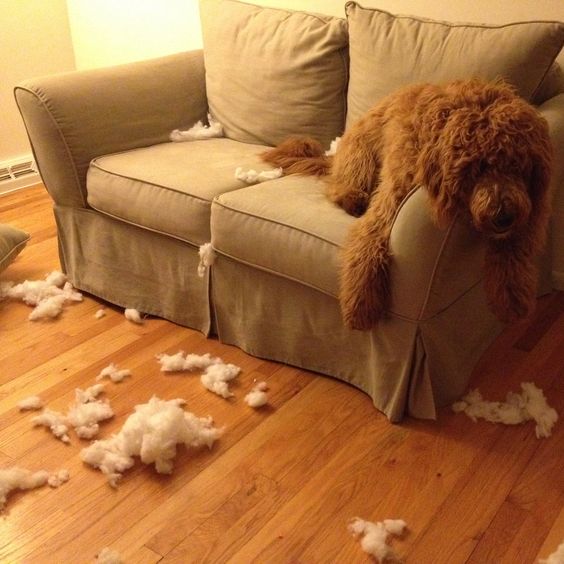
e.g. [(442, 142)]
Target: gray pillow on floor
[(12, 241)]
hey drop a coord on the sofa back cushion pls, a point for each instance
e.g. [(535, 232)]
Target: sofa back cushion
[(273, 73), (388, 52)]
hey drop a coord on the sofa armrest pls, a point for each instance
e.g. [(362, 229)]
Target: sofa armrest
[(73, 117), (431, 267), (553, 111)]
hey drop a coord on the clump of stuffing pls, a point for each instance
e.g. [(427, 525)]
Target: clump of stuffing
[(84, 415), (48, 296), (375, 536), (252, 176), (181, 361), (216, 378), (108, 556), (198, 131), (333, 147), (556, 557), (58, 478), (152, 433), (88, 395), (100, 313), (517, 408), (257, 397), (55, 421), (113, 373), (207, 258), (133, 315), (30, 403), (16, 478)]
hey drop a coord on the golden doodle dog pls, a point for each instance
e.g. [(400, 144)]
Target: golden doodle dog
[(480, 151)]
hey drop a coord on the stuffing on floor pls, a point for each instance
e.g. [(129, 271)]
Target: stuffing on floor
[(257, 397), (198, 131), (557, 557), (84, 415), (30, 403), (16, 478), (133, 315), (207, 258), (151, 433), (100, 313), (216, 378), (48, 296), (375, 536), (108, 556), (252, 176), (113, 373), (181, 361), (517, 408)]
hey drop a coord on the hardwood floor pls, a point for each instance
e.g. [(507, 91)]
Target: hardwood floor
[(282, 483)]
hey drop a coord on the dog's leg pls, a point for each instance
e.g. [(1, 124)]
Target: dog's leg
[(510, 280), (364, 291), (356, 167)]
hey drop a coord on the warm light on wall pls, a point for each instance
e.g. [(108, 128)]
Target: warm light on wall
[(106, 32)]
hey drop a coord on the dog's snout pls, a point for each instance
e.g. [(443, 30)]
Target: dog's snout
[(504, 219)]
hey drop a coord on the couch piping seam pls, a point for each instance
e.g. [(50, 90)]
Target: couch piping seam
[(62, 137)]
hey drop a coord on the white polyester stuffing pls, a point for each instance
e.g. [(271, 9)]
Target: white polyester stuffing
[(556, 557), (198, 131), (19, 479), (100, 313), (152, 433), (113, 373), (181, 361), (84, 415), (207, 258), (108, 556), (252, 176), (257, 397), (517, 408), (55, 421), (58, 478), (216, 378), (30, 403), (375, 536), (133, 315), (48, 296), (333, 147)]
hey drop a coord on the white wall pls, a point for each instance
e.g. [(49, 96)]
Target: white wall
[(34, 40), (109, 32)]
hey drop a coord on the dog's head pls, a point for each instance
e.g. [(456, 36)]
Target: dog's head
[(488, 154)]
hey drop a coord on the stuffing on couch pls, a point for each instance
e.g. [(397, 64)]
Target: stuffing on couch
[(133, 208)]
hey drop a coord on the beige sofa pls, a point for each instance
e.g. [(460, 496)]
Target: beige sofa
[(133, 208)]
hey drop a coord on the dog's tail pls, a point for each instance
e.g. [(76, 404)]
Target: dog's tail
[(299, 155)]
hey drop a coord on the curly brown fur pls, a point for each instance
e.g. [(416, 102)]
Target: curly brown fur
[(299, 155), (480, 151)]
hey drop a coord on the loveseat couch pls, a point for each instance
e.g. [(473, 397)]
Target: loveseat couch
[(133, 208)]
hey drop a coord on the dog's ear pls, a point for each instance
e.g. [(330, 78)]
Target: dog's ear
[(540, 181), (438, 170)]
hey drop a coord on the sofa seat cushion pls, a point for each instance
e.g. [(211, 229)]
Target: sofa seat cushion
[(169, 187), (286, 226)]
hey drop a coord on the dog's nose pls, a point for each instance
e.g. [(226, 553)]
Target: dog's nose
[(503, 220)]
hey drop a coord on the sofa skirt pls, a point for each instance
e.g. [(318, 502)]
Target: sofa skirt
[(407, 367), (133, 267)]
